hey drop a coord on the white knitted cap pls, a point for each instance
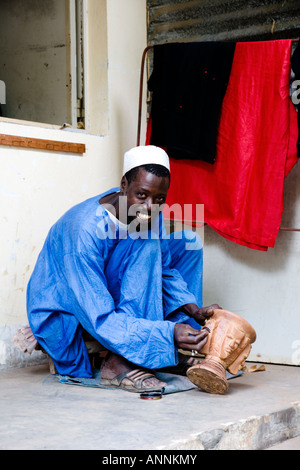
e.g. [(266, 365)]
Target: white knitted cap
[(143, 155)]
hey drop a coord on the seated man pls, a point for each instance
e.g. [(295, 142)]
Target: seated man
[(107, 268)]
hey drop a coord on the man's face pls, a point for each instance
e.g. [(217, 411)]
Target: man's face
[(145, 196)]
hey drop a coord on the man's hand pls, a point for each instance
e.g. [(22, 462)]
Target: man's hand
[(188, 338), (200, 314)]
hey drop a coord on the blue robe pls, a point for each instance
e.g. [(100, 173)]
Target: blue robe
[(122, 289)]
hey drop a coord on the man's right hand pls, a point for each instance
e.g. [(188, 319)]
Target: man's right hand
[(188, 338)]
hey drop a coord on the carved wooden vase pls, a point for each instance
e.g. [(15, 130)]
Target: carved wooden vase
[(227, 348)]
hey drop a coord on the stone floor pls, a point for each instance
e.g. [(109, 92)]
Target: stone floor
[(260, 410)]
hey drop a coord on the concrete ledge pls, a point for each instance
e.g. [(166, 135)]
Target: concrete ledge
[(37, 412), (11, 357), (253, 433)]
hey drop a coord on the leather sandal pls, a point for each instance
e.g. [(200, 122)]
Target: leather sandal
[(136, 377)]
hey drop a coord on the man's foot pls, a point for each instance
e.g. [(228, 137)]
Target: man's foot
[(184, 363), (120, 373), (188, 361)]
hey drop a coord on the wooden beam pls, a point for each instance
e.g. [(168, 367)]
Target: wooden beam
[(41, 144)]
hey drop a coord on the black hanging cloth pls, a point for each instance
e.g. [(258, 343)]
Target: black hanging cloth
[(188, 82)]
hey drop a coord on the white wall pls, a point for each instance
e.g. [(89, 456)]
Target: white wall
[(37, 187)]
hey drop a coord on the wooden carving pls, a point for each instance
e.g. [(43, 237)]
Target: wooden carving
[(228, 346)]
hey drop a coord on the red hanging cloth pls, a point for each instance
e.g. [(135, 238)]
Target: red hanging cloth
[(242, 192)]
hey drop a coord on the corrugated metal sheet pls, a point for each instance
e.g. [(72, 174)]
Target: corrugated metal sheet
[(219, 20)]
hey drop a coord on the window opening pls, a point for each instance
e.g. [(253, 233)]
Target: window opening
[(42, 61)]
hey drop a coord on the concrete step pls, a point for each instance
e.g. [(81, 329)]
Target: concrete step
[(288, 444), (269, 431), (259, 411)]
